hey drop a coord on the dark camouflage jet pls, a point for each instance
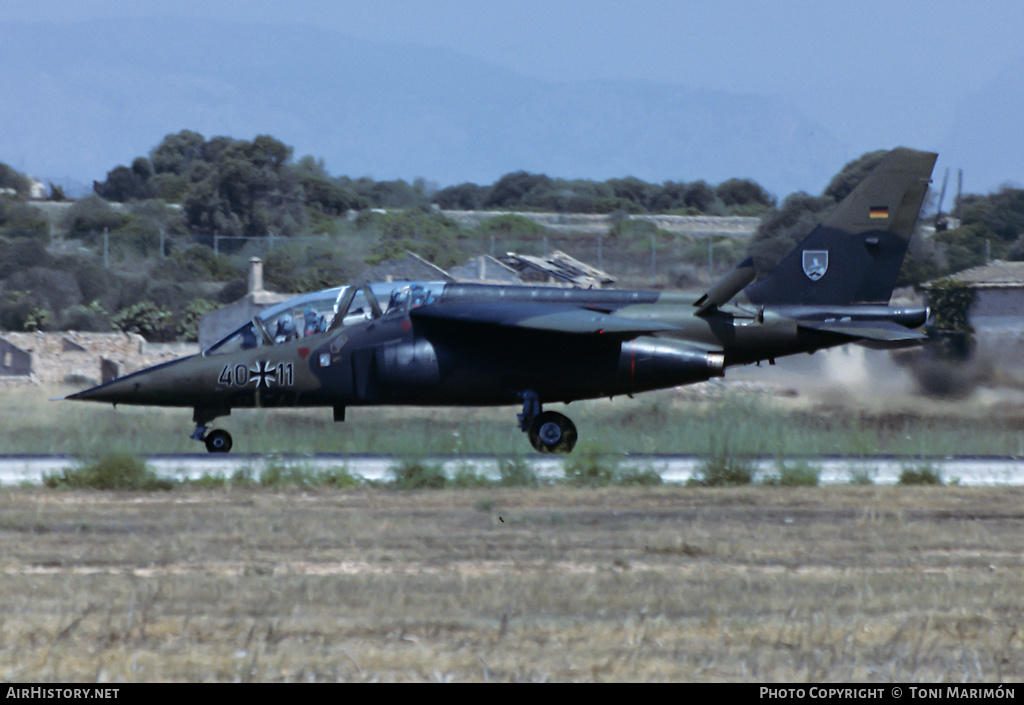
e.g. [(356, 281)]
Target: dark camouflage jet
[(449, 344)]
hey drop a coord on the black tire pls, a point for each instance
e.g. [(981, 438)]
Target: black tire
[(552, 432), (218, 441)]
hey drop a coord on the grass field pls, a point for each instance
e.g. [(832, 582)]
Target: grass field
[(658, 422), (865, 584)]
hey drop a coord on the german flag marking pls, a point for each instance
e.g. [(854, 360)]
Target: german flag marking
[(879, 212)]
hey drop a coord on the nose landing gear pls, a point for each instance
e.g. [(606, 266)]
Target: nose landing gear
[(548, 431), (217, 440)]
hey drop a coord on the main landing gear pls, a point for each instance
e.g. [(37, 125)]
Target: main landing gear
[(218, 440), (548, 431)]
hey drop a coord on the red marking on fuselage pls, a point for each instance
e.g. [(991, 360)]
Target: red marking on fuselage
[(303, 353)]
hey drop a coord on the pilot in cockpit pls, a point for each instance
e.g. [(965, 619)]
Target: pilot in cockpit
[(315, 322), (409, 297), (249, 340), (399, 299), (285, 328)]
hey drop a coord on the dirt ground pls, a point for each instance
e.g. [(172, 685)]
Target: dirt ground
[(761, 584), (865, 584), (879, 382)]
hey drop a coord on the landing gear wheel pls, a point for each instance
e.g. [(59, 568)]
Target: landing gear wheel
[(551, 432), (218, 441)]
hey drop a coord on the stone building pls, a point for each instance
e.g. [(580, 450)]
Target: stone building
[(998, 294), (79, 358), (14, 361), (215, 325)]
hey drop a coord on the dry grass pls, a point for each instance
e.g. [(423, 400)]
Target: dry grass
[(820, 584), (668, 421)]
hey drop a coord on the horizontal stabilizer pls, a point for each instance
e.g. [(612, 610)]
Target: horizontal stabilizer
[(882, 331), (540, 316), (727, 287)]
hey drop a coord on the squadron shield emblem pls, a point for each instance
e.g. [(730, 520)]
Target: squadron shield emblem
[(815, 264)]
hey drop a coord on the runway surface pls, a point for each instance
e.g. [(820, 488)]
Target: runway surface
[(965, 471)]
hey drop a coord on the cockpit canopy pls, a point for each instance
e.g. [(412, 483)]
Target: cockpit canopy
[(329, 309)]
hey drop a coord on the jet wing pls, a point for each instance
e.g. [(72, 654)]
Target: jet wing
[(555, 318), (882, 331)]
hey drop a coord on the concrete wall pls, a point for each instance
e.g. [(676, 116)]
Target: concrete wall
[(1001, 302), (14, 362), (56, 358), (602, 224)]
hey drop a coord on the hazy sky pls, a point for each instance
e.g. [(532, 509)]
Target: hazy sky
[(881, 72)]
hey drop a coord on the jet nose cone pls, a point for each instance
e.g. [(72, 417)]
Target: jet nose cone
[(154, 385), (115, 391)]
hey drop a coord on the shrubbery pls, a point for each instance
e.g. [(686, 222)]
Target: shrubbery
[(112, 472), (417, 474), (920, 475), (432, 236), (724, 469), (793, 474)]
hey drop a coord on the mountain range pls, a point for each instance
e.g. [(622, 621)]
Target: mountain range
[(82, 98)]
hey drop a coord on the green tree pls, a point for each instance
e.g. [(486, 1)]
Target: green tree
[(50, 288), (13, 179), (950, 301), (249, 192), (325, 195), (395, 194), (21, 220), (20, 254), (634, 190), (581, 196), (743, 192), (925, 260), (430, 235), (178, 152), (31, 297), (186, 325), (969, 246), (510, 224), (84, 318), (152, 322), (951, 334), (299, 268), (671, 196), (1000, 214), (98, 285), (197, 263), (127, 184), (464, 197), (91, 216), (515, 190), (628, 229), (700, 196), (611, 204)]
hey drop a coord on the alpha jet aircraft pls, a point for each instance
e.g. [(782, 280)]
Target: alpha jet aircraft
[(451, 344)]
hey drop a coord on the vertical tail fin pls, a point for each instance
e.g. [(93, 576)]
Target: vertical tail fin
[(855, 255)]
